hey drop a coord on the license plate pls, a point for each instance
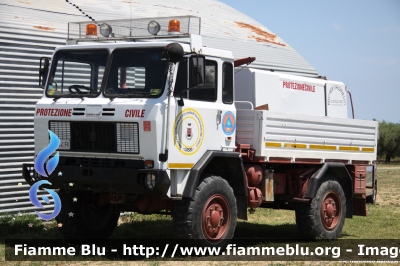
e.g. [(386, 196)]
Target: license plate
[(64, 145)]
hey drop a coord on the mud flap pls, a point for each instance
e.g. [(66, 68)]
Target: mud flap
[(241, 203), (360, 206), (349, 207)]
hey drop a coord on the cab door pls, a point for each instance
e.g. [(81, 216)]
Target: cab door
[(228, 111), (207, 119)]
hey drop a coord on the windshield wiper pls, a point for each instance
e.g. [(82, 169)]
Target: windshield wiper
[(66, 95), (128, 95)]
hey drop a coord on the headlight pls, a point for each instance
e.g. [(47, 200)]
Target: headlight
[(150, 181), (153, 27), (105, 29)]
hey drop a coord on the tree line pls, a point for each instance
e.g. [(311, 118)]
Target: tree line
[(389, 140)]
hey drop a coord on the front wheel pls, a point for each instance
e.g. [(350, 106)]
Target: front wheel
[(82, 218), (323, 218), (209, 217)]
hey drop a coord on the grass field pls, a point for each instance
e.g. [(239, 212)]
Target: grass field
[(382, 222)]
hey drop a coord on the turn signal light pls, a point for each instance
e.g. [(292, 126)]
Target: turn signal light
[(91, 30), (149, 164), (174, 26)]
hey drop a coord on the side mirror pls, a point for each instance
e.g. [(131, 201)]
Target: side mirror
[(43, 70), (173, 52), (196, 70)]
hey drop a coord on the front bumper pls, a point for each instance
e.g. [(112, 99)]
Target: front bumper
[(101, 179)]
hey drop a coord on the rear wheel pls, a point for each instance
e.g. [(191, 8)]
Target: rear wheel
[(324, 217), (210, 216), (82, 218)]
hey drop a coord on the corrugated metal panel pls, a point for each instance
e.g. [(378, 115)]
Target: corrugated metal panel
[(32, 29), (222, 27), (23, 40)]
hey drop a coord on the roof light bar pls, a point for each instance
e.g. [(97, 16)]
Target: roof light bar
[(161, 27)]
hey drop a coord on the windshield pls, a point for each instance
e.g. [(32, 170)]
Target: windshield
[(77, 73), (136, 72)]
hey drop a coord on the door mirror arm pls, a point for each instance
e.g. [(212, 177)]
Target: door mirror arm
[(43, 70)]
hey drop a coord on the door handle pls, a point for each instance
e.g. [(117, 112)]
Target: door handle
[(219, 113)]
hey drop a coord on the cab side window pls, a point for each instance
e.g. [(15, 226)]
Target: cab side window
[(227, 83), (207, 92)]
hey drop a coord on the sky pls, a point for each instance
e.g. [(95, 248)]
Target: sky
[(354, 41)]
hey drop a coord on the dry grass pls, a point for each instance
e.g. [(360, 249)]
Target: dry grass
[(381, 223), (389, 186)]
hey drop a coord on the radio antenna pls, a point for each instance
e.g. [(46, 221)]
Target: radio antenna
[(77, 7)]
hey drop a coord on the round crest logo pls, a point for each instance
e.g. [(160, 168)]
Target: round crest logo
[(336, 96), (188, 131), (228, 123)]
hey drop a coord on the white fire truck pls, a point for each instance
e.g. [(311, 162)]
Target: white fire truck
[(150, 121)]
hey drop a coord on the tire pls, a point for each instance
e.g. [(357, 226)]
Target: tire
[(323, 217), (372, 198), (87, 220), (209, 218)]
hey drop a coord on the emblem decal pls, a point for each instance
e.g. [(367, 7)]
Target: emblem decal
[(188, 131), (228, 123)]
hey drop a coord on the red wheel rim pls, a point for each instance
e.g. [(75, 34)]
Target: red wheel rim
[(215, 218), (330, 210)]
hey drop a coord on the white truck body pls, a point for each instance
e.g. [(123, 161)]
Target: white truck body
[(306, 118), (291, 94), (147, 125)]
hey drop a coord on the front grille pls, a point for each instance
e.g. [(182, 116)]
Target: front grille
[(93, 136), (128, 137), (98, 136)]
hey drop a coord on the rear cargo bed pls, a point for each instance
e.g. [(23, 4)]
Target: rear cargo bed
[(295, 138)]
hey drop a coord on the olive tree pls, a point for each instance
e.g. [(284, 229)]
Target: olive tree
[(389, 140)]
